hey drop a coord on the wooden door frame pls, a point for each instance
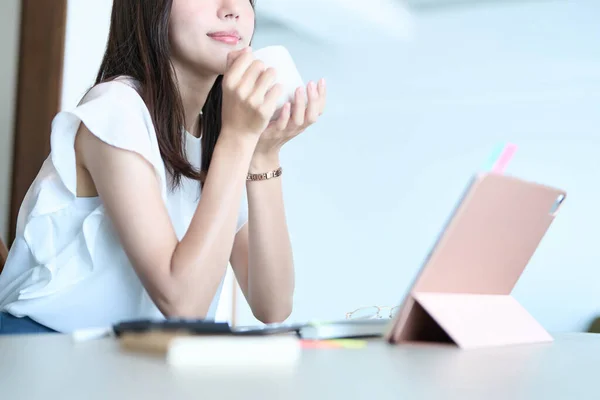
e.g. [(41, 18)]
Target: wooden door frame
[(39, 90)]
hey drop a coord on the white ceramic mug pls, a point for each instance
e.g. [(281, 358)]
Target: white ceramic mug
[(279, 58)]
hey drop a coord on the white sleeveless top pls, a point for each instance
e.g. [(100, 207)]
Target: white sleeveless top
[(67, 269)]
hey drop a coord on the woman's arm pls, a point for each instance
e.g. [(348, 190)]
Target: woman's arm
[(182, 276), (262, 253)]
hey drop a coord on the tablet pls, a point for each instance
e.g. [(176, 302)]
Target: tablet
[(468, 276)]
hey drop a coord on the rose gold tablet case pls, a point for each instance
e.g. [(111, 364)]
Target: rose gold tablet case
[(463, 292)]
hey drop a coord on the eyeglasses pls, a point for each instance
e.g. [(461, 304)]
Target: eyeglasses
[(373, 312)]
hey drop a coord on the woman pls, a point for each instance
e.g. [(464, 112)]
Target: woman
[(126, 219)]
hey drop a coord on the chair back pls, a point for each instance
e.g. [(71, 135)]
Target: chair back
[(3, 255)]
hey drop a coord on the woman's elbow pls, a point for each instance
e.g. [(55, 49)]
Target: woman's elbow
[(180, 307), (274, 315)]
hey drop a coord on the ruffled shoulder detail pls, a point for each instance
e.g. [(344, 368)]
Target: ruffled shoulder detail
[(60, 229), (116, 114)]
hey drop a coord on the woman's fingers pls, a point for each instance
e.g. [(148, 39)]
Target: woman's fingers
[(284, 116), (299, 109), (313, 108), (248, 82), (270, 100), (264, 83), (237, 64), (322, 90)]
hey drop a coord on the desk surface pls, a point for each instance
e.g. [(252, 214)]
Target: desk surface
[(53, 367)]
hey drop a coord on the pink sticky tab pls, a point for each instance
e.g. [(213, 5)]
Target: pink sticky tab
[(319, 344), (504, 159)]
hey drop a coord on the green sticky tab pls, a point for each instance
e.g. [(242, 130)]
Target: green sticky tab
[(493, 158)]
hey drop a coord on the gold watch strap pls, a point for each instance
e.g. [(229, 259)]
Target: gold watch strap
[(265, 175)]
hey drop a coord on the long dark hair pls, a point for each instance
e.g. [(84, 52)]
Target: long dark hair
[(138, 47)]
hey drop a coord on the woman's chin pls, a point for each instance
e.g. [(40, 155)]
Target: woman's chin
[(212, 70), (202, 66), (217, 66), (221, 68)]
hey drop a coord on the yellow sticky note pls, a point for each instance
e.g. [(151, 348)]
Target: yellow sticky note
[(351, 343)]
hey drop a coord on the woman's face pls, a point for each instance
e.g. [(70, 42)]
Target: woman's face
[(203, 32)]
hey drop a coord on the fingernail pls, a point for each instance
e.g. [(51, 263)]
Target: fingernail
[(323, 82)]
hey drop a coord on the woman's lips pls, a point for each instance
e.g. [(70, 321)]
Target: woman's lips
[(230, 37)]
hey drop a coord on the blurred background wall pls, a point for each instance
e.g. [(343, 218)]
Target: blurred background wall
[(369, 187)]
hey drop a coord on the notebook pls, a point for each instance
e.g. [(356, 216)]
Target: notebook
[(214, 345)]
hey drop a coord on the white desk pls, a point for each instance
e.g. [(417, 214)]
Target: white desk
[(52, 367)]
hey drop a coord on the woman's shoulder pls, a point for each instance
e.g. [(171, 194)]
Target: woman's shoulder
[(113, 112), (119, 90)]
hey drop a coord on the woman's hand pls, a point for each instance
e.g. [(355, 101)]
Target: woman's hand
[(249, 95), (292, 122)]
